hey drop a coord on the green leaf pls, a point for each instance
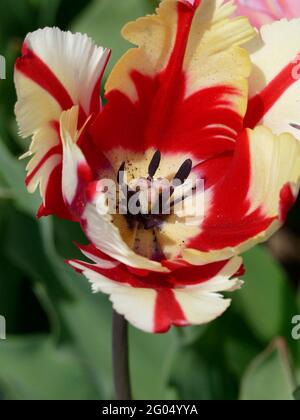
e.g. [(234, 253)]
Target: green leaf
[(200, 371), (189, 335), (47, 12), (13, 173), (151, 360), (265, 301), (270, 376), (24, 246), (104, 19), (76, 315), (239, 352), (35, 368), (199, 377), (17, 17), (297, 394), (10, 292)]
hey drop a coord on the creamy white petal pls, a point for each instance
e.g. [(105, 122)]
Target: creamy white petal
[(277, 46)]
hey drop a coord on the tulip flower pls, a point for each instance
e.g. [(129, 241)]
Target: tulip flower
[(200, 96), (261, 12)]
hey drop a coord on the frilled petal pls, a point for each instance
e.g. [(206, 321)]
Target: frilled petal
[(154, 302), (183, 89), (275, 81), (252, 200), (57, 70)]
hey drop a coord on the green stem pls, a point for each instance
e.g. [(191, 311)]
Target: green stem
[(121, 358)]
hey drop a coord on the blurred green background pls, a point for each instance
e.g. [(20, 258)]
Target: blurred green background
[(59, 334)]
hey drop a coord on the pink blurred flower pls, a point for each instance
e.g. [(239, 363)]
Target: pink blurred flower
[(264, 11)]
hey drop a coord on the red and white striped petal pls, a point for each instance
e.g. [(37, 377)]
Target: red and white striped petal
[(57, 70), (184, 88), (76, 173), (44, 150), (155, 307), (98, 225), (275, 81), (252, 200)]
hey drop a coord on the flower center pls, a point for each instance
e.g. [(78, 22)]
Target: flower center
[(147, 202)]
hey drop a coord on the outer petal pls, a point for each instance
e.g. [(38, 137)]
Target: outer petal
[(275, 80), (153, 308), (252, 200), (188, 93), (57, 70)]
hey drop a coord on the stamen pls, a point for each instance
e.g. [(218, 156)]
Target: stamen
[(184, 171), (154, 164), (145, 220), (297, 126)]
